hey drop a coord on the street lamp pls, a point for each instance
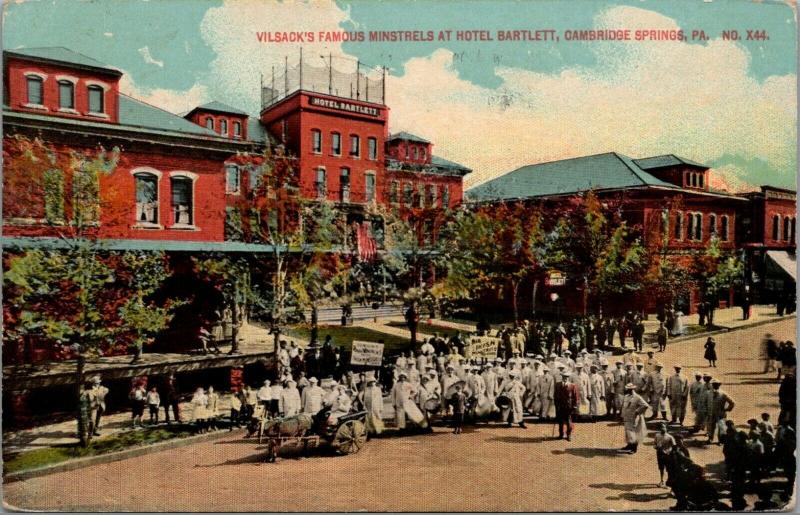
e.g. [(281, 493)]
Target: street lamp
[(554, 299)]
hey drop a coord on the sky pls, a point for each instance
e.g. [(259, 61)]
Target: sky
[(492, 106)]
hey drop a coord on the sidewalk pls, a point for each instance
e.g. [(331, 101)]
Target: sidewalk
[(724, 319)]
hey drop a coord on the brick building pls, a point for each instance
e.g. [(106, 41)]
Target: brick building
[(663, 196)]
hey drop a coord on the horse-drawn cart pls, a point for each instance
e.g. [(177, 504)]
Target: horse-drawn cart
[(347, 434)]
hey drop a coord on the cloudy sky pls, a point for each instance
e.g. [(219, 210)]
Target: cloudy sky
[(493, 106)]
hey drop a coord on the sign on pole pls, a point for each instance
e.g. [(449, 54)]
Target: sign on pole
[(482, 347), (366, 353), (555, 278)]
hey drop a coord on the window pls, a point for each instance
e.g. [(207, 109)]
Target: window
[(181, 200), (698, 227), (369, 187), (316, 141), (53, 195), (254, 176), (422, 153), (427, 232), (429, 195), (146, 198), (96, 94), (446, 196), (679, 226), (66, 94), (322, 184), (232, 179), (336, 144), (700, 178), (355, 146), (434, 194), (344, 184), (665, 222), (776, 227), (35, 91), (408, 194), (284, 130), (792, 228), (786, 224), (372, 148), (237, 129), (690, 226), (421, 195), (712, 225), (415, 153), (210, 123), (723, 231), (223, 127), (394, 191), (406, 150)]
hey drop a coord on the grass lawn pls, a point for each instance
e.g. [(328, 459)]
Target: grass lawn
[(343, 336), (429, 329), (48, 456)]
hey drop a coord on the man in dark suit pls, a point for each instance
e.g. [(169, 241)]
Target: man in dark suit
[(565, 398)]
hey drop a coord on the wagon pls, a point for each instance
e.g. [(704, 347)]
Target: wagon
[(347, 436)]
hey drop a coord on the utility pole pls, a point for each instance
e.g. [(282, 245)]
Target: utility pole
[(301, 67), (286, 75), (330, 74), (358, 79)]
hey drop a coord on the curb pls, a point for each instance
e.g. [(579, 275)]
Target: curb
[(724, 329), (133, 452)]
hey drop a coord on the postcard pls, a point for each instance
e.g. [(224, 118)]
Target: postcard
[(399, 256)]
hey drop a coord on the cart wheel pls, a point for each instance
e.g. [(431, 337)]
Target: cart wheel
[(350, 437)]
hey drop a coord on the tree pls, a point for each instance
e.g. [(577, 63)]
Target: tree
[(81, 298), (714, 269)]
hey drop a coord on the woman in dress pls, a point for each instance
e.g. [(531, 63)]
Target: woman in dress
[(212, 407), (711, 352), (200, 409)]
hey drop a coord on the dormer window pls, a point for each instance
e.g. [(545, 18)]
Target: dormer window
[(96, 104), (223, 127), (237, 129), (35, 90), (210, 123), (66, 94)]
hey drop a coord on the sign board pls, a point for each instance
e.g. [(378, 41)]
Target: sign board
[(340, 105), (555, 279), (481, 347), (366, 353)]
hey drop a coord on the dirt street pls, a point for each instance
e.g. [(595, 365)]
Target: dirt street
[(487, 468)]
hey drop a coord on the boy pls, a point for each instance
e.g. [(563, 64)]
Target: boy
[(459, 403), (153, 403)]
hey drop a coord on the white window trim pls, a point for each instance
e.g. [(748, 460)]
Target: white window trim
[(74, 82), (339, 153), (316, 152), (103, 85), (715, 229), (698, 224), (192, 177), (43, 78), (40, 107), (374, 186), (238, 190), (151, 171), (68, 78), (233, 129), (146, 169), (370, 138), (105, 88), (40, 75), (351, 154)]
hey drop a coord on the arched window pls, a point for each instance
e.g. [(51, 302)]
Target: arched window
[(446, 196), (792, 228), (712, 225), (679, 226), (66, 94), (336, 144), (723, 231), (96, 99), (698, 226), (316, 141), (146, 198), (210, 123), (223, 127), (776, 227), (690, 226), (182, 201), (322, 184), (35, 90), (408, 194), (786, 223), (237, 129), (344, 184), (700, 180)]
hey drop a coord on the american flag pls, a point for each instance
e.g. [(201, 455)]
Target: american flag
[(367, 249)]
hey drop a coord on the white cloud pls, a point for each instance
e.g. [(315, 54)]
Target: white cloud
[(145, 52), (174, 101)]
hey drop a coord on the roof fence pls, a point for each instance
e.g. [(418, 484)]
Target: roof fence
[(338, 76)]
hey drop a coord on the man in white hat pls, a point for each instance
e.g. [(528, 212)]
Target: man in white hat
[(719, 404), (290, 400), (638, 377), (568, 361), (677, 392), (545, 389), (372, 399), (696, 393), (650, 362), (490, 380), (448, 379), (342, 404), (402, 391), (608, 377), (633, 409), (581, 379), (597, 393), (99, 393), (264, 395), (657, 389), (311, 398), (620, 380), (475, 382), (515, 390)]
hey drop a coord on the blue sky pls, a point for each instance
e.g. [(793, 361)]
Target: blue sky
[(180, 51)]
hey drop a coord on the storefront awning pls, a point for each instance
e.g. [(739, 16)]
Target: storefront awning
[(784, 261)]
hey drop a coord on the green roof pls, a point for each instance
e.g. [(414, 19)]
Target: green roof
[(63, 55), (597, 172), (407, 136), (649, 163), (141, 114), (444, 163), (220, 108), (256, 131)]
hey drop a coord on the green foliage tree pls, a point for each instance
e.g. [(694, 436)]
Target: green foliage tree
[(714, 269)]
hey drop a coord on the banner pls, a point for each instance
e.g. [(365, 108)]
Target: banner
[(366, 353), (482, 347)]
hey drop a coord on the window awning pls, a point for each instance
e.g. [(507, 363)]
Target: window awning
[(784, 261)]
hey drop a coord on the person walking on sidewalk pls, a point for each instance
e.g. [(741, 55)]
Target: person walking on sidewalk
[(661, 335), (153, 403), (99, 392), (711, 352)]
